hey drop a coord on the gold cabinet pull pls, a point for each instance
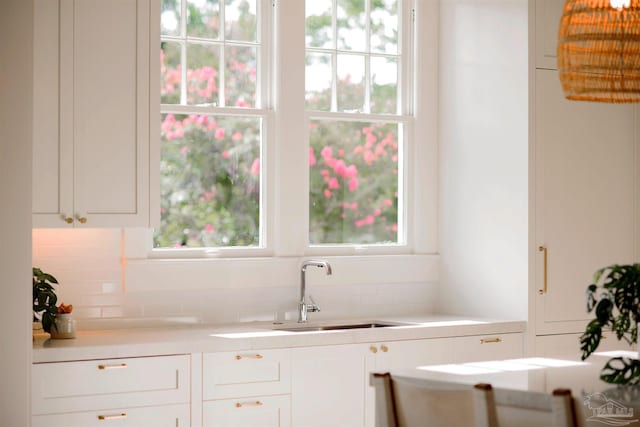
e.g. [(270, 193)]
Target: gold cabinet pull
[(545, 252), (243, 404), (108, 367), (490, 340), (248, 356), (67, 219), (112, 417), (373, 349), (81, 219), (384, 348)]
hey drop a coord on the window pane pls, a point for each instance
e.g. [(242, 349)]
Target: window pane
[(240, 76), (318, 23), (170, 17), (351, 21), (210, 181), (384, 26), (202, 74), (353, 181), (240, 20), (204, 18), (384, 85), (351, 87), (318, 79), (170, 73)]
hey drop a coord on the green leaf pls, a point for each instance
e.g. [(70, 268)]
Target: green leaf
[(591, 297), (590, 340), (620, 370), (603, 311)]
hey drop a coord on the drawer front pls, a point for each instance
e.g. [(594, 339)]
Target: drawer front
[(488, 347), (149, 416), (263, 411), (246, 373), (113, 383)]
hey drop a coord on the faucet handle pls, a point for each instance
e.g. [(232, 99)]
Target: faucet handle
[(313, 307)]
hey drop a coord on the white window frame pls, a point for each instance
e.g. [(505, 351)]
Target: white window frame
[(285, 172)]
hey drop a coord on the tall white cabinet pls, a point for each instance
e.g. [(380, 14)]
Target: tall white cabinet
[(585, 186), (95, 112)]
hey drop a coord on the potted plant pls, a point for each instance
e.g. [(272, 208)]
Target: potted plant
[(44, 299), (614, 298)]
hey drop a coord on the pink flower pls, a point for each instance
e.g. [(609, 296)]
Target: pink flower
[(324, 172), (387, 202), (312, 157), (327, 194), (237, 136), (202, 120), (219, 133), (225, 154), (241, 103), (354, 206), (377, 212), (340, 169), (333, 183), (369, 157), (353, 184), (208, 228), (371, 138), (212, 125), (369, 220), (351, 171), (394, 227), (255, 167), (341, 152), (327, 152)]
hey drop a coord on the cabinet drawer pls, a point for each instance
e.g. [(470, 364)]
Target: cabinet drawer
[(112, 383), (488, 347), (246, 373), (149, 416), (264, 411)]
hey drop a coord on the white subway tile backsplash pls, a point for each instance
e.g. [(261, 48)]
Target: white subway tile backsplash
[(89, 265)]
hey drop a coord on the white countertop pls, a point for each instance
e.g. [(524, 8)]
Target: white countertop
[(133, 342)]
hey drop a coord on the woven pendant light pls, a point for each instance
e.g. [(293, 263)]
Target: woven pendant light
[(599, 50)]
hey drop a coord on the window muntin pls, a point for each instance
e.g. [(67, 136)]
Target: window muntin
[(213, 125), (356, 127)]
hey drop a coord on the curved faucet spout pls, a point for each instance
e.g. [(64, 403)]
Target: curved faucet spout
[(303, 307)]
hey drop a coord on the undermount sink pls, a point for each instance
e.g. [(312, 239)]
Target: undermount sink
[(369, 325)]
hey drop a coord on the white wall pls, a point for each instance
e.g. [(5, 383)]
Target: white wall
[(16, 25), (483, 145)]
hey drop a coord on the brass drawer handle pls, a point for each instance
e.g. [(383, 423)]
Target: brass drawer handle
[(107, 367), (490, 340), (545, 252), (243, 404), (249, 356), (112, 417)]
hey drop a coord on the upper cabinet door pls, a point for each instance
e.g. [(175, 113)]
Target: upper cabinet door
[(548, 13), (95, 129), (52, 157), (586, 182), (110, 81)]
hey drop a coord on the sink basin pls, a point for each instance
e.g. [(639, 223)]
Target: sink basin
[(368, 325)]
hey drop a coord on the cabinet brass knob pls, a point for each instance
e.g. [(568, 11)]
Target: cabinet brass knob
[(81, 219), (373, 349), (384, 348), (68, 219)]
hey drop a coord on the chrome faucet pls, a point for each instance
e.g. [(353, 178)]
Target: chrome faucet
[(303, 307)]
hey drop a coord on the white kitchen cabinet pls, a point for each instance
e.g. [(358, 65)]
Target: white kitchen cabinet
[(569, 344), (328, 385), (150, 416), (547, 21), (586, 180), (263, 411), (110, 383), (247, 388), (95, 112), (488, 347)]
